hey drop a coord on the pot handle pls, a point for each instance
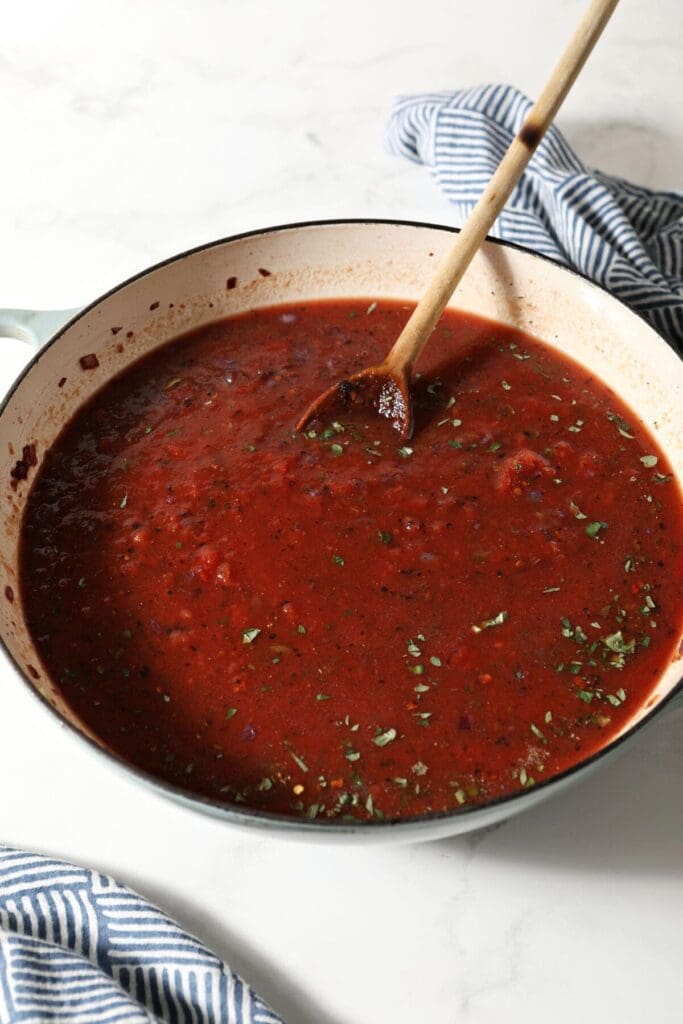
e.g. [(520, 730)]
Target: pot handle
[(36, 326)]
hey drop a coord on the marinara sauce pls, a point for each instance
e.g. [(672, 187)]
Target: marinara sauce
[(339, 623)]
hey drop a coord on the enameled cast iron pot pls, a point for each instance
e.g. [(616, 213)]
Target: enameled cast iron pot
[(373, 259)]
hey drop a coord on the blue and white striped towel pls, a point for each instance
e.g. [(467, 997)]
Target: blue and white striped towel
[(76, 947), (626, 238)]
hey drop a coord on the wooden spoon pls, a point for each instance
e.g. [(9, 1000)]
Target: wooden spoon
[(386, 387)]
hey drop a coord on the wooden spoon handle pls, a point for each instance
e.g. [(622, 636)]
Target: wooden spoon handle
[(419, 327)]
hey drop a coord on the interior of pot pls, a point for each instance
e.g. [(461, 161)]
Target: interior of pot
[(373, 260)]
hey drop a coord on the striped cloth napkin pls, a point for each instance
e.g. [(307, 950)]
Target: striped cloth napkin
[(76, 947), (626, 238)]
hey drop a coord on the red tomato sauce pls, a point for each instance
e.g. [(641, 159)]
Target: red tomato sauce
[(339, 623)]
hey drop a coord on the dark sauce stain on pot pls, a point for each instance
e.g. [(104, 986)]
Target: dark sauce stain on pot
[(115, 330), (263, 272), (21, 468), (89, 362), (231, 283), (9, 594), (61, 382), (155, 305)]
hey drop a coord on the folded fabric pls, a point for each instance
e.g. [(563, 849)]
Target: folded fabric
[(627, 238), (79, 948)]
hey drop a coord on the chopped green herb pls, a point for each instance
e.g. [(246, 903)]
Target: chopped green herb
[(593, 529), (322, 696), (649, 460), (124, 501), (298, 761), (497, 620), (504, 384), (405, 452), (585, 695), (249, 635), (338, 560), (371, 308), (385, 737), (630, 564), (417, 670), (616, 643), (336, 449), (436, 662), (300, 629), (230, 713), (621, 424), (385, 536), (578, 514), (413, 649), (352, 755)]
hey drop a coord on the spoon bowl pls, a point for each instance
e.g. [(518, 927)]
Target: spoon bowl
[(380, 387)]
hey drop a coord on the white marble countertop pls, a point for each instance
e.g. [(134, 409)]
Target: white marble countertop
[(132, 131)]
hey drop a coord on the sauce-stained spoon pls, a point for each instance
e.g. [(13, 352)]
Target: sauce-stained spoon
[(386, 387)]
